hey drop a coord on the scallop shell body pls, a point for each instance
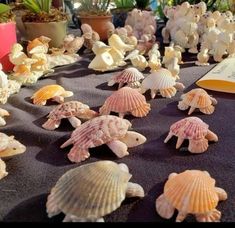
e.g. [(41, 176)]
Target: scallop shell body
[(160, 79), (192, 191), (47, 92), (125, 100), (99, 131), (3, 171), (128, 75), (91, 191), (190, 128)]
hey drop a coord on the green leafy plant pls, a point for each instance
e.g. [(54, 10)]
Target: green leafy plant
[(124, 4), (37, 6), (5, 13), (94, 7)]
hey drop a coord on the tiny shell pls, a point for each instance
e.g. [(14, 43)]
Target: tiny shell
[(197, 98), (191, 192), (126, 100), (3, 171), (128, 75), (54, 92), (3, 113), (96, 190), (195, 130)]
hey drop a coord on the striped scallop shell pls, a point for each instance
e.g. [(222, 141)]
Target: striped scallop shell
[(130, 74), (91, 191), (125, 100), (160, 79), (197, 98), (190, 128), (192, 191)]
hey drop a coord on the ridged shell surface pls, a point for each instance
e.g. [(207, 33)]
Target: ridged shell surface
[(91, 191), (197, 98), (100, 130), (129, 75), (192, 191), (160, 79), (190, 128), (123, 100)]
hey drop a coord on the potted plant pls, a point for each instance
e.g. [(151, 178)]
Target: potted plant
[(121, 10), (96, 13), (43, 20), (7, 35)]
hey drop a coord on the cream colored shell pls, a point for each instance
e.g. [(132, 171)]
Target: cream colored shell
[(3, 171)]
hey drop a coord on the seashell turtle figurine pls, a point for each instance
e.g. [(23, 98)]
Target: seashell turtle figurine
[(3, 113), (130, 76), (162, 81), (91, 191), (54, 92), (9, 146), (107, 129), (3, 171), (195, 130), (70, 110), (197, 98), (191, 192), (126, 100)]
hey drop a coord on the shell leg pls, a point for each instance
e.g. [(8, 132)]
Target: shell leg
[(208, 110), (179, 86), (121, 115), (191, 110), (77, 154), (182, 106), (58, 99), (3, 171), (179, 142), (169, 92), (212, 216), (73, 218), (134, 190), (51, 124), (2, 121), (211, 136), (164, 208), (153, 93), (181, 216), (214, 101), (119, 148), (168, 137), (141, 111), (198, 146), (120, 85), (221, 194), (75, 122), (51, 206), (193, 50)]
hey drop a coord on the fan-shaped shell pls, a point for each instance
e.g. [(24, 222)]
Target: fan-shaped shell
[(100, 130), (190, 128), (197, 98), (91, 191), (160, 79), (124, 100), (192, 191)]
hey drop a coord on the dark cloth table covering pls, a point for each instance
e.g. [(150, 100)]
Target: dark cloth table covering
[(24, 191)]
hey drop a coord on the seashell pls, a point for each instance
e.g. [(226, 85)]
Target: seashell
[(107, 129), (197, 98), (128, 75), (38, 45), (126, 100), (203, 57), (69, 110), (55, 92), (3, 113), (100, 47), (195, 130), (191, 192), (3, 171), (73, 44), (162, 81), (96, 189), (86, 28), (118, 57), (3, 78), (17, 55), (9, 146)]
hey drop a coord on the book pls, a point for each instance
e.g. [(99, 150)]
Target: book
[(220, 78)]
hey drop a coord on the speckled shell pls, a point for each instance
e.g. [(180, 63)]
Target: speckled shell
[(192, 191), (47, 92), (3, 171), (160, 79), (126, 100), (99, 131), (128, 75), (90, 191)]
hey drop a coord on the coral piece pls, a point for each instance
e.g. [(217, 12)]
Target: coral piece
[(162, 81), (91, 191), (3, 171), (54, 92), (195, 130), (3, 113), (191, 192), (110, 130), (197, 98), (71, 110), (126, 100), (128, 76), (72, 44)]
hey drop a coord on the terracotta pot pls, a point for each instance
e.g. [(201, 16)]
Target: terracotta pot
[(7, 39), (98, 24), (54, 30)]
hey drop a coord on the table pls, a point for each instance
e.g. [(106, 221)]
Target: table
[(24, 191)]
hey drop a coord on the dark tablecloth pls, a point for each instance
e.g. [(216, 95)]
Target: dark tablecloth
[(24, 191)]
